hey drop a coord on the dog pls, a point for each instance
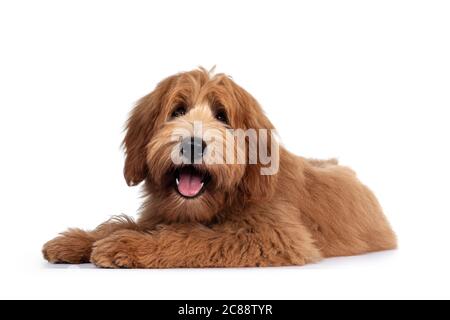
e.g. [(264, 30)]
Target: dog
[(201, 213)]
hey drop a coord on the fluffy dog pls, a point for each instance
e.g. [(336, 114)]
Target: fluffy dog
[(201, 213)]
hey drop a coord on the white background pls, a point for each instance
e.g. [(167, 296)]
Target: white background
[(365, 81)]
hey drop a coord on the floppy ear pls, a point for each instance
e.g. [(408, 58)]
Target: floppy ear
[(139, 129), (255, 184)]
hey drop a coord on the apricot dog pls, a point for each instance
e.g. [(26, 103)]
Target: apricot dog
[(210, 214)]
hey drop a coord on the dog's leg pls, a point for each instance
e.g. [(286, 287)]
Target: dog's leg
[(193, 246), (75, 245)]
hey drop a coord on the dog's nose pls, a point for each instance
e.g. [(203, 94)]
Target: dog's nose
[(192, 148)]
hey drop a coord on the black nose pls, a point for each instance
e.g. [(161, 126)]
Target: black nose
[(192, 148)]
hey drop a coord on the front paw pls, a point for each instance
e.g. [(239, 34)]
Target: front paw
[(119, 250), (73, 246)]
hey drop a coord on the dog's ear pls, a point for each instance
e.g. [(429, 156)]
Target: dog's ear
[(258, 183), (139, 130)]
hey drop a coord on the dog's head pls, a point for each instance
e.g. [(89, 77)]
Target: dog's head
[(182, 141)]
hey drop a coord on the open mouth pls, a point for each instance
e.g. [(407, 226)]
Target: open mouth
[(190, 182)]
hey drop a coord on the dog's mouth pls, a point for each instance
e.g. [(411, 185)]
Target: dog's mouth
[(190, 182)]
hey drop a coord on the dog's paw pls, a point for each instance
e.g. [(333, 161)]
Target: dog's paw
[(73, 246), (117, 251)]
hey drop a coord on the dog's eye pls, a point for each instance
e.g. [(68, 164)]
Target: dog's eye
[(221, 115), (179, 112)]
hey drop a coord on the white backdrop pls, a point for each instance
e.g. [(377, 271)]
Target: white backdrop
[(365, 81)]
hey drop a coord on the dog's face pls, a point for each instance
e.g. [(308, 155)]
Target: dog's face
[(178, 142)]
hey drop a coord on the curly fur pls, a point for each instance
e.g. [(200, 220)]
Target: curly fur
[(309, 210)]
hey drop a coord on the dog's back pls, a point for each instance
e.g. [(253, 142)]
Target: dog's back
[(343, 215)]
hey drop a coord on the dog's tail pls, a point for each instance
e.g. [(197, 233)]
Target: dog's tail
[(323, 163)]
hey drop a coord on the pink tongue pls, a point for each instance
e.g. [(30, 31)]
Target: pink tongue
[(189, 184)]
